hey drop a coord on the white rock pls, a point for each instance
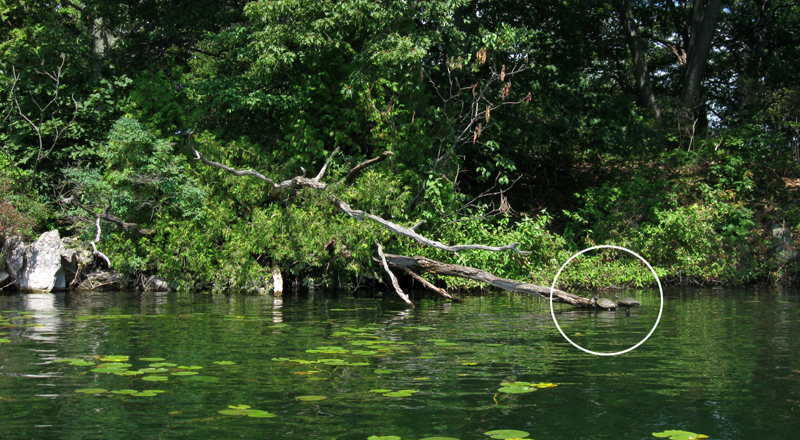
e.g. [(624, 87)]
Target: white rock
[(42, 262)]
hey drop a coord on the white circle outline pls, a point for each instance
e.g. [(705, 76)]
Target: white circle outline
[(660, 290)]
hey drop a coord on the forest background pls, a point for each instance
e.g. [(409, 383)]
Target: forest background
[(670, 128)]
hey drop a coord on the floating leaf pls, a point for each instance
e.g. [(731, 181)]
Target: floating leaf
[(4, 340), (382, 371), (163, 364), (146, 393), (259, 414), (439, 438), (233, 412), (310, 398), (107, 370), (125, 392), (356, 364), (114, 358), (239, 406), (337, 310), (155, 378), (364, 352), (153, 370), (679, 435), (544, 385), (193, 367), (397, 394), (185, 373), (506, 433), (517, 389), (383, 437), (380, 390), (226, 362), (152, 359), (92, 391)]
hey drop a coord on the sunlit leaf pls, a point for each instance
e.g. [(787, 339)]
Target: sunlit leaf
[(310, 398), (679, 435), (92, 391), (506, 434)]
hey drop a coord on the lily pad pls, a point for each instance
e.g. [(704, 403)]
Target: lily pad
[(255, 413), (163, 364), (679, 435), (145, 393), (224, 363), (239, 406), (4, 340), (383, 437), (154, 359), (439, 438), (185, 373), (115, 358), (310, 398), (517, 389), (380, 390), (125, 392), (92, 391), (506, 433), (192, 367), (155, 378)]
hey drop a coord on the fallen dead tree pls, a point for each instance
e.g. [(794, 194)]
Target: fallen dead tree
[(411, 265), (422, 264)]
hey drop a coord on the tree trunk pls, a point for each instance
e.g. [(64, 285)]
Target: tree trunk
[(422, 264), (701, 34), (641, 76)]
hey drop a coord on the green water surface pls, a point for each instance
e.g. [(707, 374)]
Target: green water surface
[(100, 365)]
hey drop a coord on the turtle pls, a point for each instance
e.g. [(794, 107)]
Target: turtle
[(627, 302), (604, 303)]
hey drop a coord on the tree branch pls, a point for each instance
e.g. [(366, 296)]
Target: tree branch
[(408, 232), (397, 288), (422, 264), (356, 170)]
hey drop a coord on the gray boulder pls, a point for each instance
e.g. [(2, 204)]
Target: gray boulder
[(156, 284), (43, 262), (3, 277), (14, 255)]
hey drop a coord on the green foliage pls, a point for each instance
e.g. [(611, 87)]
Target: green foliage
[(20, 211)]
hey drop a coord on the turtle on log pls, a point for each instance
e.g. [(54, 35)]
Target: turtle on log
[(627, 302), (603, 303)]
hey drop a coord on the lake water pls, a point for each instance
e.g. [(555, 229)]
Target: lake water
[(724, 363)]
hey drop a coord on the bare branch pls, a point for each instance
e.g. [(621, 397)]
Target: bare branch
[(397, 288), (408, 232), (430, 286), (297, 181), (97, 239), (356, 170), (128, 227)]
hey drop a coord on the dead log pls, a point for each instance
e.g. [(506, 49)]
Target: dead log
[(422, 264)]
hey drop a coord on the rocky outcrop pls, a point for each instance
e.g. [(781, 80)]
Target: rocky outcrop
[(42, 263), (13, 255), (43, 266), (156, 284)]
